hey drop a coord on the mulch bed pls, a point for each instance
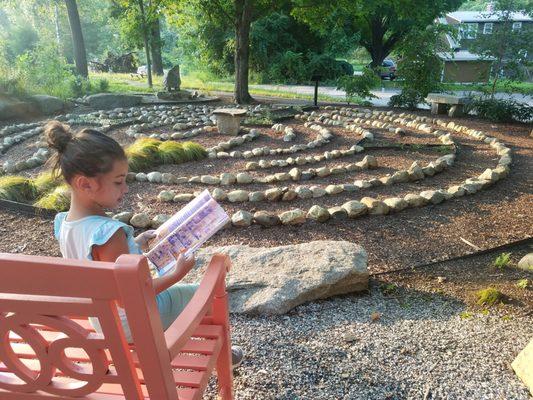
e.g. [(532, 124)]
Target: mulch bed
[(489, 218)]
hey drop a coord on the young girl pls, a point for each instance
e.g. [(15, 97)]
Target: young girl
[(95, 167)]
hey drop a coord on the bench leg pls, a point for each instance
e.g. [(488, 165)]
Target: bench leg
[(438, 108), (456, 111)]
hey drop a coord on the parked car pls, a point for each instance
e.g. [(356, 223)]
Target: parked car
[(388, 69)]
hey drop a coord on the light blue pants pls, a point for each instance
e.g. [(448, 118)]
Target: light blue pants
[(172, 301)]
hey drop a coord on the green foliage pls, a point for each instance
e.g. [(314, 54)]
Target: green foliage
[(465, 315), (194, 151), (79, 86), (388, 289), (47, 181), (522, 283), (500, 110), (419, 67), (379, 26), (288, 67), (488, 297), (172, 153), (17, 188), (359, 85), (502, 261), (58, 199), (143, 154), (103, 85), (146, 153)]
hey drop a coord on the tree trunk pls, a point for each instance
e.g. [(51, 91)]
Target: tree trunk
[(56, 21), (80, 58), (376, 50), (243, 21), (146, 43), (155, 42)]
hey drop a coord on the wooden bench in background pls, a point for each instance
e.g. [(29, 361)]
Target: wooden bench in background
[(442, 103), (48, 349)]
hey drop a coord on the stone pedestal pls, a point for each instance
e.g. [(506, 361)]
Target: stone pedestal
[(523, 366), (229, 120), (438, 108), (456, 111)]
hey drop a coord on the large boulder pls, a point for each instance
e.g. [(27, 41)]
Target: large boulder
[(113, 100), (522, 366), (267, 280), (13, 108), (48, 104)]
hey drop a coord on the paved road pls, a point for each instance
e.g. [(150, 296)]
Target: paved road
[(383, 95)]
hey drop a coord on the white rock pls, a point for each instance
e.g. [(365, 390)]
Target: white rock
[(292, 217), (140, 220), (242, 218), (238, 196)]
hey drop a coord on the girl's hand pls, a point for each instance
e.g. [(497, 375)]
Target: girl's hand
[(143, 238), (184, 264)]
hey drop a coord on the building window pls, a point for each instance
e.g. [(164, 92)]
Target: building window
[(468, 31), (517, 26), (487, 28)]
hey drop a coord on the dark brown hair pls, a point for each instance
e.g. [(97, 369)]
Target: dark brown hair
[(88, 152)]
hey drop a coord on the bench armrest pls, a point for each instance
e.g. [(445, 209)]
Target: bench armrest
[(182, 328)]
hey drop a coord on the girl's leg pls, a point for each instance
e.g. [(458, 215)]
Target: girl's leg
[(173, 301)]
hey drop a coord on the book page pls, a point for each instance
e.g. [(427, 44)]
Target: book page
[(202, 218)]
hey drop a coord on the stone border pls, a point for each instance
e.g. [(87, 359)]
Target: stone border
[(366, 205)]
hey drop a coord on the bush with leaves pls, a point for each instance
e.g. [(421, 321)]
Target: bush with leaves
[(358, 85), (419, 67), (500, 110)]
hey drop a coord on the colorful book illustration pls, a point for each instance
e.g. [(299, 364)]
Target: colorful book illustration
[(186, 231)]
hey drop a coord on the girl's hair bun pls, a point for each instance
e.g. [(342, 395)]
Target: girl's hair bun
[(57, 135)]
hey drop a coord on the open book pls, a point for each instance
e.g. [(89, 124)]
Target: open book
[(186, 231)]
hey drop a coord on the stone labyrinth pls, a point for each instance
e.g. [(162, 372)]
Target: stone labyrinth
[(313, 168)]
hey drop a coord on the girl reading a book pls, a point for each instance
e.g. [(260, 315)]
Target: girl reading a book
[(95, 167)]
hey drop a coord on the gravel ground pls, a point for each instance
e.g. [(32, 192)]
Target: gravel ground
[(419, 348)]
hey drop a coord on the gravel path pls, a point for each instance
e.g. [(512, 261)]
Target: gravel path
[(420, 348)]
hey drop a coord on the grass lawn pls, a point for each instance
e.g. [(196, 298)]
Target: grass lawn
[(126, 83)]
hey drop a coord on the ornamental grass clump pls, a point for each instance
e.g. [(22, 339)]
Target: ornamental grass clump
[(143, 154), (172, 153), (194, 151), (146, 153), (58, 199), (489, 297), (17, 188), (47, 181)]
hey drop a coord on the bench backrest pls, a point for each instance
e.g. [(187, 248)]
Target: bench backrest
[(44, 294)]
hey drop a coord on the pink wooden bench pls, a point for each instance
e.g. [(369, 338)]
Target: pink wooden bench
[(48, 349)]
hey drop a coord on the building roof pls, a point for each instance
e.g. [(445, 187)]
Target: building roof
[(486, 16), (461, 55)]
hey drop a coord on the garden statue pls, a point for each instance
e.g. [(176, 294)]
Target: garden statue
[(172, 80)]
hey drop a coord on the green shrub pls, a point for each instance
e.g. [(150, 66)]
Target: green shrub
[(103, 85), (502, 260), (500, 110), (79, 86), (43, 70), (58, 199), (289, 67), (17, 188), (419, 66), (488, 297), (522, 283), (358, 86)]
